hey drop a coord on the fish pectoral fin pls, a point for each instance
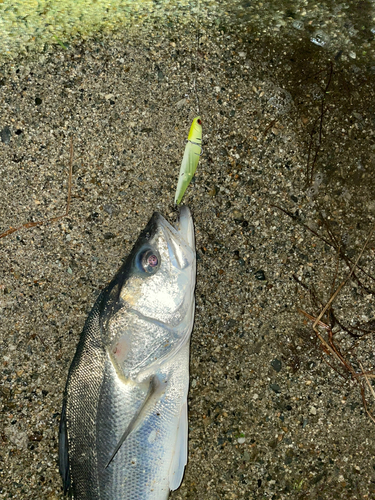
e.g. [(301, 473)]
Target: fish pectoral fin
[(180, 452), (153, 389), (63, 451)]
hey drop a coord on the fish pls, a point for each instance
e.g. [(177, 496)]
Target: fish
[(124, 423), (193, 151)]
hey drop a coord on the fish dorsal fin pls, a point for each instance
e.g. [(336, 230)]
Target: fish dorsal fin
[(154, 389), (180, 452)]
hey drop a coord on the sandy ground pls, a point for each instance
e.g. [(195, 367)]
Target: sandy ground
[(268, 418)]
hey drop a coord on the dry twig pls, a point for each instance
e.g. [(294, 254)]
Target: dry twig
[(310, 168), (28, 225), (331, 348)]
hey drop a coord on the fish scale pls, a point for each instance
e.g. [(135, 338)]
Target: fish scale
[(123, 431), (85, 383)]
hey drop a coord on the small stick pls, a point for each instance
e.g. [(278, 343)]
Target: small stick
[(27, 225), (322, 113), (329, 346), (312, 76), (322, 340), (363, 392), (343, 283), (329, 243), (269, 126)]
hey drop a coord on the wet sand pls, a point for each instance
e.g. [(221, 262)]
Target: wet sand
[(268, 418)]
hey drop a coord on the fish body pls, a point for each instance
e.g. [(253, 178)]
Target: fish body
[(123, 429), (193, 150)]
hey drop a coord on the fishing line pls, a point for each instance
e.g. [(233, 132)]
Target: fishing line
[(193, 148), (196, 61)]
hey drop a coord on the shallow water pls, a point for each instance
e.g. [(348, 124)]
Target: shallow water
[(286, 95)]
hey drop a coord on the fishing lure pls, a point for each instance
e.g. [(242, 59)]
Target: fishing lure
[(190, 160)]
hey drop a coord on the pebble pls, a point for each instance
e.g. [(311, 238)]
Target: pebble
[(16, 436), (260, 275), (319, 39), (275, 388), (276, 365), (236, 214), (298, 25), (109, 236), (5, 135), (108, 209), (181, 103)]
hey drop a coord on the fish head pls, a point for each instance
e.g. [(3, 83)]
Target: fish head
[(161, 281), (147, 310)]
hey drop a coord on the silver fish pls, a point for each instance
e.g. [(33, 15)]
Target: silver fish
[(123, 429)]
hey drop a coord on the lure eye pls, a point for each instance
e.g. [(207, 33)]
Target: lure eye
[(150, 261), (199, 122)]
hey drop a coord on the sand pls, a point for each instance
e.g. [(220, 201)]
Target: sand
[(268, 417)]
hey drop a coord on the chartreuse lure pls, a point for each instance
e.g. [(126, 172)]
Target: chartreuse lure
[(190, 160)]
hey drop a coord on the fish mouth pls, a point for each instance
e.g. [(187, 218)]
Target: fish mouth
[(182, 232), (185, 226), (180, 237)]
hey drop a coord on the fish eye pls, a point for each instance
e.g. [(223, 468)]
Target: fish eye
[(149, 261), (199, 122)]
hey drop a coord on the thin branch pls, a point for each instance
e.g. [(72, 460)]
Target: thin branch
[(28, 225), (343, 283), (320, 118), (347, 259), (363, 393)]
